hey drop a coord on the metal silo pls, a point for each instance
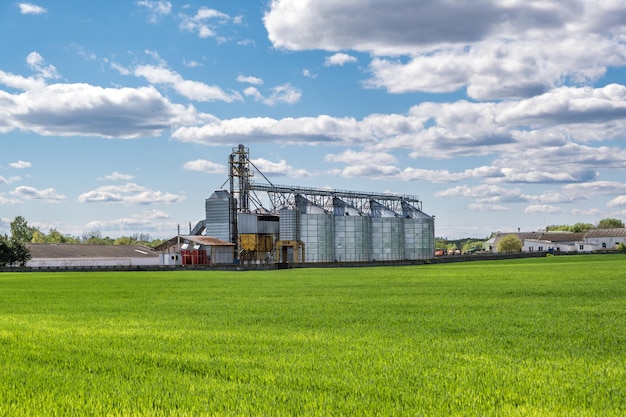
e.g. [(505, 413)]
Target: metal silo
[(316, 231), (419, 238), (387, 233), (218, 208), (352, 233), (289, 224)]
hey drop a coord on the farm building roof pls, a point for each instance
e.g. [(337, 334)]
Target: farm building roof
[(599, 233), (202, 240), (62, 250)]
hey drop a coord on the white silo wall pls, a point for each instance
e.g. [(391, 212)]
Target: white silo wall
[(316, 232), (352, 238), (289, 224), (387, 239)]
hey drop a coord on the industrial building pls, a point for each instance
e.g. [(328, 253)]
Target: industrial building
[(308, 225)]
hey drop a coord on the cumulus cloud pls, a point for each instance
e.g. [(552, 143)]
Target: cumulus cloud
[(29, 8), (85, 110), (486, 194), (280, 168), (492, 49), (149, 220), (447, 130), (250, 79), (619, 201), (129, 193), (117, 176), (339, 59), (49, 195), (202, 165), (193, 90), (36, 62)]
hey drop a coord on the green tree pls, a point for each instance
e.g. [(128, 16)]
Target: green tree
[(125, 240), (471, 246), (20, 230), (610, 224), (621, 247), (13, 251), (581, 227), (38, 237), (5, 250), (20, 253), (510, 243)]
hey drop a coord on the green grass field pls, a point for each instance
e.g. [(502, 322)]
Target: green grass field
[(532, 337)]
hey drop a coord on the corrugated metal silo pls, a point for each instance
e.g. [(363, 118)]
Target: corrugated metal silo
[(387, 233), (316, 231), (419, 237), (289, 228), (352, 233), (218, 211)]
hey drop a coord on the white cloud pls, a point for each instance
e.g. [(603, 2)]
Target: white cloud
[(85, 110), (308, 73), (205, 22), (485, 194), (202, 165), (9, 180), (129, 193), (281, 94), (4, 201), (339, 59), (29, 8), (193, 90), (351, 157), (495, 50), (285, 93), (20, 164), (32, 193), (253, 92), (619, 201), (156, 9), (36, 62), (280, 168), (149, 220), (117, 176), (192, 64), (250, 79)]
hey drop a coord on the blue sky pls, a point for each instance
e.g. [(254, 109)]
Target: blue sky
[(499, 114)]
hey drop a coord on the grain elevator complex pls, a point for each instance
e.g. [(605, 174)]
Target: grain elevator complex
[(310, 225)]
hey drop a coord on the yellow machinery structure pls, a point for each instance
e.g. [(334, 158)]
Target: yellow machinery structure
[(282, 251), (256, 247)]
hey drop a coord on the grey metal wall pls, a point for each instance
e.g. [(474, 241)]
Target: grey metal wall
[(289, 224), (419, 233), (217, 221), (387, 239), (257, 224), (352, 238), (316, 232)]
